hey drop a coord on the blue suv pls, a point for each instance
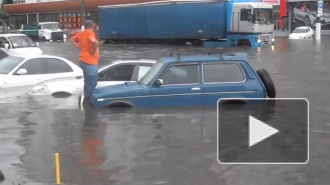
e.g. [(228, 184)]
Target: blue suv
[(189, 81)]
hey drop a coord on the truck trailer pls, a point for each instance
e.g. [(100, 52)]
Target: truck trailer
[(215, 23)]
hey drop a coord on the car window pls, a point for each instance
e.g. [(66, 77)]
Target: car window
[(34, 66), (21, 41), (153, 71), (143, 69), (121, 72), (181, 74), (9, 63), (3, 54), (3, 41), (214, 73), (55, 65)]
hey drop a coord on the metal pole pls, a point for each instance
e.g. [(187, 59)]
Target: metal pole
[(318, 20), (318, 28), (82, 14)]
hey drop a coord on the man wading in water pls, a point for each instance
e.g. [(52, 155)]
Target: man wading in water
[(88, 45)]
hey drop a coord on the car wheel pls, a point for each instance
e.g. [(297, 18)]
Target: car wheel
[(268, 82), (61, 94), (307, 21)]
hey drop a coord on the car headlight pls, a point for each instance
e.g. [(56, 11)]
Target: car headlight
[(39, 88)]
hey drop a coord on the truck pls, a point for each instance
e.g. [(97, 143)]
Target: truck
[(45, 31), (214, 23)]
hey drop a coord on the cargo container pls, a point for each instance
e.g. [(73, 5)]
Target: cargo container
[(215, 23)]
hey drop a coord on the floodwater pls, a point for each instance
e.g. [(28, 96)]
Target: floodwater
[(164, 146)]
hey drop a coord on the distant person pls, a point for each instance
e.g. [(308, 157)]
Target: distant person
[(97, 28), (88, 45), (285, 24), (303, 8)]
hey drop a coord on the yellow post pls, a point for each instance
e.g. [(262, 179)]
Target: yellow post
[(57, 167)]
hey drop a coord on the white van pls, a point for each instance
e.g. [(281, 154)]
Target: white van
[(18, 44)]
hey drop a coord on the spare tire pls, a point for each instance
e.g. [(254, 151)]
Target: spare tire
[(268, 82)]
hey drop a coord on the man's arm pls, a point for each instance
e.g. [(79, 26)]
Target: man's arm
[(75, 41), (94, 43)]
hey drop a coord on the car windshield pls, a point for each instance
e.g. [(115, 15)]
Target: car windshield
[(9, 63), (51, 26), (300, 30), (21, 41), (150, 75), (263, 16)]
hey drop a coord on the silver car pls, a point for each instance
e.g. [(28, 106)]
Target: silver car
[(307, 13)]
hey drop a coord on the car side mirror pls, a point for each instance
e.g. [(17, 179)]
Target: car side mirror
[(21, 71), (159, 82), (6, 45)]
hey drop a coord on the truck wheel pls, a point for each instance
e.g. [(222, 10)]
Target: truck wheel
[(244, 43), (268, 82), (43, 39)]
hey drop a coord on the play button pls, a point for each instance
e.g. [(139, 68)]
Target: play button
[(263, 132), (259, 131)]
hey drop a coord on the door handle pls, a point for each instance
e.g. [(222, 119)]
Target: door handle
[(196, 88)]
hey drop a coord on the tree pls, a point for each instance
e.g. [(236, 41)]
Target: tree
[(4, 2), (3, 14)]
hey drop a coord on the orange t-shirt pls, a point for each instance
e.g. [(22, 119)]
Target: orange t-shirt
[(85, 46)]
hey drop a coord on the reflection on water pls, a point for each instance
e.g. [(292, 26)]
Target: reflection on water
[(92, 154)]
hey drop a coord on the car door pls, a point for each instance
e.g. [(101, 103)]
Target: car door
[(35, 72), (57, 68), (117, 73), (309, 33), (224, 80), (181, 86)]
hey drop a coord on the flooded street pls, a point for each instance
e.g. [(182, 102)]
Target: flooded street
[(158, 146)]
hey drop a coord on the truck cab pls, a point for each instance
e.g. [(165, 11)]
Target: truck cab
[(253, 18), (50, 31), (45, 31)]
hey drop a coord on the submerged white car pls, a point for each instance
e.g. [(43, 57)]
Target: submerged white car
[(29, 70), (303, 32), (119, 72), (18, 44)]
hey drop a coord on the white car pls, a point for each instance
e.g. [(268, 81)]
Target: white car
[(18, 44), (303, 32), (32, 69), (119, 72)]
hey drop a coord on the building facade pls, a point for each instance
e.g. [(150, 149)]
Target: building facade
[(67, 12)]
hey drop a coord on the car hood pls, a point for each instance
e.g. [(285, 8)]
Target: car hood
[(25, 51), (126, 89)]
